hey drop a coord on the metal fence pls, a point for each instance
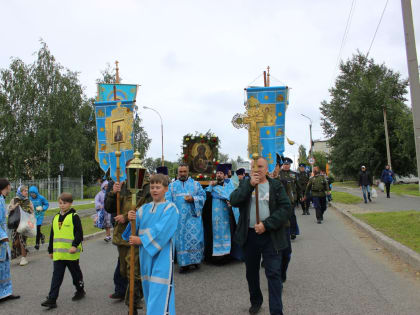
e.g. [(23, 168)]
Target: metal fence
[(52, 187)]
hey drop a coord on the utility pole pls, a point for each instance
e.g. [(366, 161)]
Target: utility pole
[(388, 152), (413, 73)]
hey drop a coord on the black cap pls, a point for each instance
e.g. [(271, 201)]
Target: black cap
[(302, 165), (162, 170), (287, 160), (240, 171)]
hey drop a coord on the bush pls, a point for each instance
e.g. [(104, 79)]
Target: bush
[(90, 192)]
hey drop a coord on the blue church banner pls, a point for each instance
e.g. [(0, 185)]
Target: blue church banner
[(269, 104), (114, 126)]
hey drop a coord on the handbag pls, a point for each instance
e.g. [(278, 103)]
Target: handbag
[(14, 219)]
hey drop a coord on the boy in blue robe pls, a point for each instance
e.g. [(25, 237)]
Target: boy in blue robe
[(156, 224)]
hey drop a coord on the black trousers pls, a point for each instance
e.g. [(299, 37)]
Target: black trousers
[(120, 282), (58, 276), (38, 234), (387, 188), (320, 204), (255, 246), (293, 222)]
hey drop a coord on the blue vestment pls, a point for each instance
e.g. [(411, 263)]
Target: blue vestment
[(5, 279), (156, 225), (220, 219), (189, 237)]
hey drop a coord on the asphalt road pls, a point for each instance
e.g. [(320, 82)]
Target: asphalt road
[(395, 203), (335, 269)]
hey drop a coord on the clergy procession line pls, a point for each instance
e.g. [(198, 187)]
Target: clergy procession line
[(182, 222)]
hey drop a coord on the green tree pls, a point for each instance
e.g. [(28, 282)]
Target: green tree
[(353, 119), (303, 158), (321, 160), (223, 158)]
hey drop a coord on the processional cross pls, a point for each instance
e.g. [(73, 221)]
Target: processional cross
[(251, 121)]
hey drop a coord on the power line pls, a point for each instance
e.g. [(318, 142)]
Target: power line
[(377, 27), (344, 39)]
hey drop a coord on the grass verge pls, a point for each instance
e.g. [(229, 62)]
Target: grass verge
[(54, 211), (406, 189), (402, 226), (343, 197), (349, 183), (87, 224)]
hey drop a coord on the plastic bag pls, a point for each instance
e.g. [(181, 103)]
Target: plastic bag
[(374, 193), (381, 186), (27, 225), (14, 219)]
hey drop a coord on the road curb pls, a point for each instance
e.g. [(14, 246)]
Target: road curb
[(406, 254)]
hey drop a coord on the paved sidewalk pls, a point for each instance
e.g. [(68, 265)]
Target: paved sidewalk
[(335, 269), (383, 204)]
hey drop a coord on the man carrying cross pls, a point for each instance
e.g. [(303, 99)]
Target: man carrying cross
[(266, 238)]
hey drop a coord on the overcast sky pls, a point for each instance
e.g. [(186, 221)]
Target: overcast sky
[(193, 59)]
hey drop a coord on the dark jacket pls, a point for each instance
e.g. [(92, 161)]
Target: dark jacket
[(280, 212), (364, 178), (77, 229), (387, 176)]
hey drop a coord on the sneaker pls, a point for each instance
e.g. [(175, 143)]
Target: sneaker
[(116, 296), (254, 309), (42, 239), (107, 239), (78, 295), (23, 261), (36, 246), (292, 236), (319, 221), (50, 303)]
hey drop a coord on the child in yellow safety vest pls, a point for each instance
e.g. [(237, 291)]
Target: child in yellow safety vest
[(64, 248)]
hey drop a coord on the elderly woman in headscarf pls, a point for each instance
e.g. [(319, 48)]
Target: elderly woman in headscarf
[(19, 240)]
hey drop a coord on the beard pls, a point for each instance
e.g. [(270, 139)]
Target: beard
[(220, 181), (183, 178)]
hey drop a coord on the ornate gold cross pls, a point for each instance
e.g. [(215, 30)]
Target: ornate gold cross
[(255, 117)]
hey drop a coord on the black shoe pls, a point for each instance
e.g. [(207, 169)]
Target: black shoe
[(319, 222), (254, 309), (370, 200), (116, 296), (10, 297), (292, 236), (307, 212), (183, 269), (365, 201), (283, 278), (78, 295), (197, 266), (388, 196), (42, 239), (49, 303), (304, 213), (36, 246)]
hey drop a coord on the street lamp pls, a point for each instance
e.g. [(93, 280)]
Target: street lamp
[(61, 168), (161, 129), (310, 132)]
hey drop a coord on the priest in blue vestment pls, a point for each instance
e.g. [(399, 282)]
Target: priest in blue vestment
[(189, 197), (218, 218)]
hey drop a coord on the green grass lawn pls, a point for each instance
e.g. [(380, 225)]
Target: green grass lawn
[(402, 226), (349, 183), (343, 197), (54, 211), (405, 189), (87, 224)]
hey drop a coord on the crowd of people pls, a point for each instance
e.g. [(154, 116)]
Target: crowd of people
[(182, 222)]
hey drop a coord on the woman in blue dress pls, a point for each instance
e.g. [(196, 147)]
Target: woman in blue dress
[(6, 292)]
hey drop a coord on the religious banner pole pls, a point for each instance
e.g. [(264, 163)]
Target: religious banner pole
[(265, 121), (135, 175), (118, 152)]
